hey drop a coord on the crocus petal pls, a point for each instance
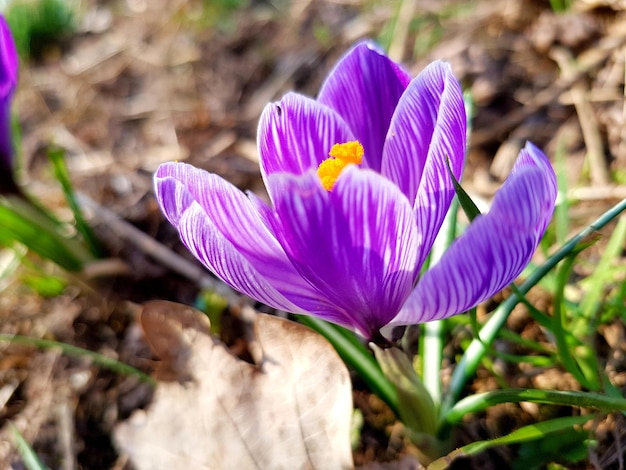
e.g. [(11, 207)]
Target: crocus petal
[(8, 82), (221, 227), (296, 134), (495, 248), (364, 88), (8, 60), (356, 243), (532, 157), (427, 134)]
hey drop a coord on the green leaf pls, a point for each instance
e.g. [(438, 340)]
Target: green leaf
[(468, 364), (482, 401), (525, 434), (526, 343), (474, 323), (69, 349), (571, 362), (561, 210), (35, 24), (44, 284), (213, 304), (537, 315), (468, 206), (570, 445), (603, 275), (18, 224), (535, 361), (57, 158), (30, 458)]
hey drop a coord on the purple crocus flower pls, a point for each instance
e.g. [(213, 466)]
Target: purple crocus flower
[(8, 82), (348, 247)]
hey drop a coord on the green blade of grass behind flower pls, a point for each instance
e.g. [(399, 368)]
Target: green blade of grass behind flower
[(432, 339), (69, 349), (29, 457), (561, 210), (482, 401), (36, 23), (23, 223), (432, 334), (478, 347), (537, 346), (527, 433), (602, 276), (576, 363), (57, 158)]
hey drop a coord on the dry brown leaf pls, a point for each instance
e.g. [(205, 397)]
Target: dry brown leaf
[(293, 411)]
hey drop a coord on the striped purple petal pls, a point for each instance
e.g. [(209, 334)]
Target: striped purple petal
[(357, 243), (8, 60), (495, 248), (8, 82), (364, 88), (296, 134), (428, 133), (223, 229)]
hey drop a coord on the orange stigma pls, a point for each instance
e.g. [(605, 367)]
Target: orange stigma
[(341, 155)]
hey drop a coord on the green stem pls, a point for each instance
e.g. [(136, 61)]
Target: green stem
[(433, 332), (478, 347), (357, 356)]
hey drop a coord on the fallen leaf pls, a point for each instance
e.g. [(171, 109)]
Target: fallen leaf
[(292, 411), (170, 329)]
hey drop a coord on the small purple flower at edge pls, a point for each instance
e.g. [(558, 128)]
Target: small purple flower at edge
[(8, 83), (348, 247)]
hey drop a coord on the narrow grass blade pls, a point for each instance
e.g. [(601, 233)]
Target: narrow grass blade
[(535, 361), (29, 457), (467, 204), (525, 434), (569, 360), (526, 343), (19, 225), (603, 275), (482, 401), (536, 314), (57, 158), (561, 210), (69, 349)]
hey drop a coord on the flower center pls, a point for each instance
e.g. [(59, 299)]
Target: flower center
[(341, 155)]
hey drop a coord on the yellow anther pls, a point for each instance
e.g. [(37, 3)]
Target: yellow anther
[(341, 155), (329, 170), (350, 152)]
